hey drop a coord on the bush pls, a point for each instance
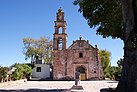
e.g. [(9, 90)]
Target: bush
[(3, 72), (22, 71)]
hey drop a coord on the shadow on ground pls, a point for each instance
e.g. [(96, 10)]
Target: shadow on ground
[(107, 90), (37, 90), (113, 82)]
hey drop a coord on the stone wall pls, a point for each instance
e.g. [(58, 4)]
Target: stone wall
[(89, 61)]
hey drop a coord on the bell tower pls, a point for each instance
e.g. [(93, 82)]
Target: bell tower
[(60, 36)]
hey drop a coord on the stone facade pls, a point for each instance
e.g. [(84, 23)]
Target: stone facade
[(80, 56)]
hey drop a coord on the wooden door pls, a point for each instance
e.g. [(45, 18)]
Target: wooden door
[(82, 76)]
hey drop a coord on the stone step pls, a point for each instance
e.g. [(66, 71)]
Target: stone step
[(77, 87)]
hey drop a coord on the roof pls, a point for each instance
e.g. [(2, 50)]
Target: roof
[(81, 45)]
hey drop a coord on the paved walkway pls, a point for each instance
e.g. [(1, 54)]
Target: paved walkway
[(54, 86)]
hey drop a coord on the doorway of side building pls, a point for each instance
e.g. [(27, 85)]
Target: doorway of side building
[(82, 71)]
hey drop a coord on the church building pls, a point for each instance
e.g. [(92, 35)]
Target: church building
[(81, 56)]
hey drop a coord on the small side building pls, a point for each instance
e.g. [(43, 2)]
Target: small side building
[(41, 70)]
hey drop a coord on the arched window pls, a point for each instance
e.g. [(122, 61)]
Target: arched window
[(60, 30), (60, 44)]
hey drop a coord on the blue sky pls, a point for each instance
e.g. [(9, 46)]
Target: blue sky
[(35, 18)]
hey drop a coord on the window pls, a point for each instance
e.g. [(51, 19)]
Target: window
[(38, 69), (81, 55), (60, 30), (60, 44)]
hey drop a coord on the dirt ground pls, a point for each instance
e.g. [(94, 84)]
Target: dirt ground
[(55, 86)]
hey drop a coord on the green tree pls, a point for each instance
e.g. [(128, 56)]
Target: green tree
[(3, 73), (120, 62), (22, 71), (18, 73), (115, 71), (105, 61), (118, 19), (34, 48), (27, 71), (119, 68)]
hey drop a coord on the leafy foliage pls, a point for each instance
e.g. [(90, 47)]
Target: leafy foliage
[(106, 15), (105, 60), (22, 71), (3, 72), (115, 71), (112, 72), (120, 62), (34, 48)]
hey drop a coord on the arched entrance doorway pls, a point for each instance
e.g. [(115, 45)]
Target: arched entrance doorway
[(82, 71)]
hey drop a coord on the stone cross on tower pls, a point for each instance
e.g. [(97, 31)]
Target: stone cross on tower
[(80, 37)]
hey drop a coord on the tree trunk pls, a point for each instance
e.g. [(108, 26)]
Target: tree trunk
[(128, 81)]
